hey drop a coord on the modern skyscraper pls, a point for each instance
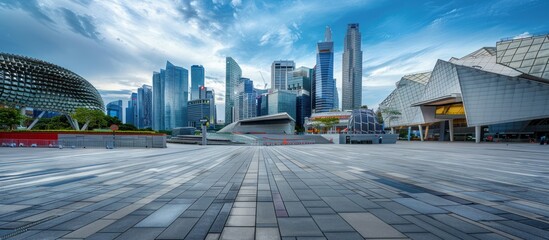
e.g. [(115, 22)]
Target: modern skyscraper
[(144, 106), (245, 105), (114, 109), (197, 80), (279, 74), (131, 110), (158, 100), (233, 73), (171, 94), (352, 69), (324, 82)]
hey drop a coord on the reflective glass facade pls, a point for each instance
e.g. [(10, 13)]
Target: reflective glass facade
[(233, 73), (114, 109), (324, 79), (528, 55), (502, 89), (170, 97), (144, 107), (197, 80), (282, 101), (364, 121), (279, 74), (28, 82), (352, 69), (197, 110)]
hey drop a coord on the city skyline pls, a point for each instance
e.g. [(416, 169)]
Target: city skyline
[(117, 57)]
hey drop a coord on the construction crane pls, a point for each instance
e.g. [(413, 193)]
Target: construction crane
[(265, 87)]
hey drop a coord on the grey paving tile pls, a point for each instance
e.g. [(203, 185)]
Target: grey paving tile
[(332, 223), (369, 226), (164, 216), (296, 209), (342, 204), (140, 233), (267, 233), (241, 221), (178, 229), (298, 227), (419, 206), (266, 215), (472, 213), (343, 236), (237, 233)]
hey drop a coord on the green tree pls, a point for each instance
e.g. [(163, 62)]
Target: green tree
[(90, 117), (10, 118), (390, 114), (328, 122), (364, 106), (127, 127), (379, 116)]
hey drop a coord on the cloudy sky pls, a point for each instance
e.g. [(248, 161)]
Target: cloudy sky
[(117, 44)]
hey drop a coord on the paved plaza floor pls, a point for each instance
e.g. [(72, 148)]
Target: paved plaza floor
[(406, 190)]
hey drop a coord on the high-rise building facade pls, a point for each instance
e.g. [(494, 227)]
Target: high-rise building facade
[(352, 69), (158, 100), (233, 73), (114, 109), (197, 80), (245, 105), (144, 106), (197, 110), (279, 74), (282, 101), (324, 82), (299, 79), (131, 110), (170, 97)]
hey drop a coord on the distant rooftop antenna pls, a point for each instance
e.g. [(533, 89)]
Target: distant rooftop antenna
[(328, 34)]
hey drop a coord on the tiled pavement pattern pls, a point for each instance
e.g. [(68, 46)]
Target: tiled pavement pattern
[(401, 191)]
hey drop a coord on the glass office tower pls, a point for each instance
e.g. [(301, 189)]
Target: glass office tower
[(170, 97), (352, 69), (233, 73), (197, 80), (325, 84)]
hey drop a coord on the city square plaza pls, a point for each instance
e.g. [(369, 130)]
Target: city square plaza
[(408, 190)]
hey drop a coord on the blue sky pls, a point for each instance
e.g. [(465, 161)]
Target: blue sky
[(116, 45)]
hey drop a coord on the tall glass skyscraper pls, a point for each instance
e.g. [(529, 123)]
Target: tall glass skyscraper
[(279, 74), (233, 73), (352, 69), (197, 80), (170, 97), (324, 79), (246, 103), (144, 106), (131, 110)]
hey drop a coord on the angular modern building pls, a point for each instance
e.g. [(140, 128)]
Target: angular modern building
[(197, 80), (170, 97), (279, 74), (300, 78), (131, 110), (144, 107), (324, 70), (28, 82), (351, 94), (233, 73), (114, 109), (499, 93)]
